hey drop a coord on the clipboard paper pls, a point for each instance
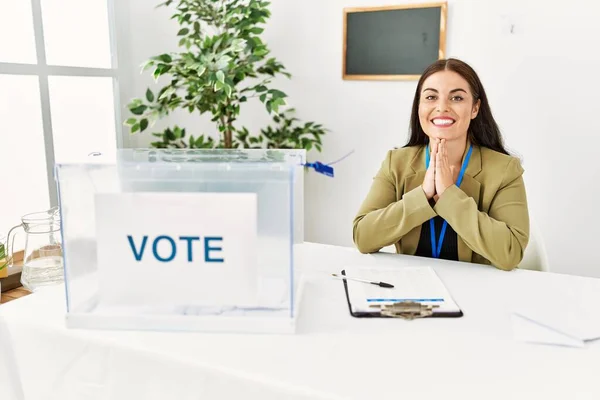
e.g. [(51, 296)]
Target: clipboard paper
[(418, 293)]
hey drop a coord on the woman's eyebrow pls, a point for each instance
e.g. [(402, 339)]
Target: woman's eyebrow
[(452, 91)]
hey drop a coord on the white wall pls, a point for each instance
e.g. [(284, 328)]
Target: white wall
[(541, 81)]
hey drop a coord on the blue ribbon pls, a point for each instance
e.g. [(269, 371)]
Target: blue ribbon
[(321, 168), (325, 169), (435, 250)]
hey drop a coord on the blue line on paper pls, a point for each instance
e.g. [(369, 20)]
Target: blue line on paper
[(397, 300)]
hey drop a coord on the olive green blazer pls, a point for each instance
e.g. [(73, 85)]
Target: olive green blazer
[(488, 212)]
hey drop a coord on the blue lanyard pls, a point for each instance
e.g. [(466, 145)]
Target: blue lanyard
[(435, 250)]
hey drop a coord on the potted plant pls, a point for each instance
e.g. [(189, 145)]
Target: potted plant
[(3, 260), (223, 63)]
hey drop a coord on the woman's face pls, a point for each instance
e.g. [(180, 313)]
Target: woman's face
[(446, 106)]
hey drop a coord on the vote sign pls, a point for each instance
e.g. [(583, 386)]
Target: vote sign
[(176, 249)]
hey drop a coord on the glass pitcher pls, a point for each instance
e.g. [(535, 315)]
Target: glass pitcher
[(42, 259)]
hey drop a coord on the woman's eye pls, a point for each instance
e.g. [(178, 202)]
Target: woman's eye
[(457, 98), (430, 97)]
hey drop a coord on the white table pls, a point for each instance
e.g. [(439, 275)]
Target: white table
[(332, 356)]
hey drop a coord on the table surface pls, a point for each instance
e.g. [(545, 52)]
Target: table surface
[(13, 294), (334, 355)]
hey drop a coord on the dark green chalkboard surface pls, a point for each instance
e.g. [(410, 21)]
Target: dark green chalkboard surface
[(393, 42)]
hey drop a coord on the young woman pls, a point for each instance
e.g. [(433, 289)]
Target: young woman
[(453, 191)]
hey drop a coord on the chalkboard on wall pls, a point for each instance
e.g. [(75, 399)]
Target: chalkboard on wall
[(393, 42)]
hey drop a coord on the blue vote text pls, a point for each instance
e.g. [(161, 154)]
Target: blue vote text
[(212, 246)]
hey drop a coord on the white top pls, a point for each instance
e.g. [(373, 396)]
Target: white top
[(332, 355)]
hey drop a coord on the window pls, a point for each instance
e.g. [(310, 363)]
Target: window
[(59, 97)]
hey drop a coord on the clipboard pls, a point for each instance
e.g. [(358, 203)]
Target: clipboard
[(409, 309)]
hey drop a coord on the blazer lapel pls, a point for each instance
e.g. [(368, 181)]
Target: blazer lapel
[(472, 188), (410, 241)]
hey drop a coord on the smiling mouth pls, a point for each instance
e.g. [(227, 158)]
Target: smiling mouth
[(442, 122)]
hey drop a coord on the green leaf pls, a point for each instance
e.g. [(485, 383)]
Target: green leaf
[(279, 101), (277, 93), (135, 102), (149, 96), (220, 76), (139, 110), (201, 143), (146, 65), (197, 26), (165, 58), (135, 128), (183, 31), (228, 90), (182, 42), (256, 31), (223, 62), (167, 93), (143, 124), (157, 72), (238, 45), (130, 121), (263, 97), (201, 70), (218, 86), (165, 4), (276, 103), (177, 132)]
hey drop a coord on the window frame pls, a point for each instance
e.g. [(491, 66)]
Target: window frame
[(43, 71)]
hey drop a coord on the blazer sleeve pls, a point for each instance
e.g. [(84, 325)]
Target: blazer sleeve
[(500, 235), (381, 219)]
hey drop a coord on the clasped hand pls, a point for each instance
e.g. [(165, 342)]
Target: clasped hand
[(440, 174)]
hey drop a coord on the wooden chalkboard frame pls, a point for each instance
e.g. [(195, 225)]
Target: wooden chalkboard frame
[(442, 45)]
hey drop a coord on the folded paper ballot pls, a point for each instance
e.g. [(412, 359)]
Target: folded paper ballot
[(558, 315), (530, 331)]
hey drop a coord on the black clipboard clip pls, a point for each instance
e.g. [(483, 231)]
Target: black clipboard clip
[(405, 310)]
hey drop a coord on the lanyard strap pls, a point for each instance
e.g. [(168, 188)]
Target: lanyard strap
[(435, 250)]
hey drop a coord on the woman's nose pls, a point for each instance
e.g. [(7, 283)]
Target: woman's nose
[(442, 106)]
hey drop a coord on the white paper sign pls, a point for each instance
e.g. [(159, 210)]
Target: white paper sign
[(177, 249)]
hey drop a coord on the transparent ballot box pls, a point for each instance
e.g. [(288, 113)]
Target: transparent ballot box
[(197, 240)]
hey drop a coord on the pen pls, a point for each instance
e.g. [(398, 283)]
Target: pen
[(380, 284)]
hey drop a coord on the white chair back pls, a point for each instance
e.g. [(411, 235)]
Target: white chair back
[(535, 257)]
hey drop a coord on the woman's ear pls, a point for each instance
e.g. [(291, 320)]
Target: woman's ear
[(475, 110)]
